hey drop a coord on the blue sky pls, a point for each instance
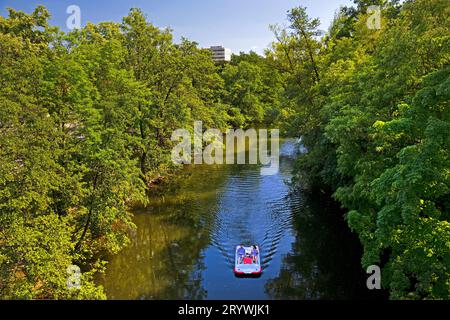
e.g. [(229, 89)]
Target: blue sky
[(240, 25)]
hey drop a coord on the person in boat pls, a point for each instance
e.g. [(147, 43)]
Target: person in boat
[(241, 253), (255, 254), (248, 259)]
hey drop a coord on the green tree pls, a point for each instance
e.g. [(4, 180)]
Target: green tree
[(376, 132)]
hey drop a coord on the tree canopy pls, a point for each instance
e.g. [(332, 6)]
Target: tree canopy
[(373, 109)]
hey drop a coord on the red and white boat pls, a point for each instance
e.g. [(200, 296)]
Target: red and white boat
[(247, 264)]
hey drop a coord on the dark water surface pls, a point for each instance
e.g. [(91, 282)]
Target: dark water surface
[(183, 247)]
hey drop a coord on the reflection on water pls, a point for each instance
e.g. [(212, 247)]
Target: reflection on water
[(183, 246)]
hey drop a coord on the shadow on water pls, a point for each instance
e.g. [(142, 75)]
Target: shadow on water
[(324, 262)]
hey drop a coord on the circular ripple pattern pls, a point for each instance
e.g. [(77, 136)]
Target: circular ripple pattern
[(255, 209)]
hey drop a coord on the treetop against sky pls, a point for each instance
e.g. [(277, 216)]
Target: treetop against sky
[(236, 24)]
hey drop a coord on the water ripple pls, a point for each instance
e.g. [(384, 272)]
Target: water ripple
[(254, 209)]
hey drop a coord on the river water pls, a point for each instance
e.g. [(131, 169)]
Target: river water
[(183, 247)]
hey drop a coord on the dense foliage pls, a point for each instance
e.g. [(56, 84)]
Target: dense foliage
[(372, 106), (85, 125), (86, 119)]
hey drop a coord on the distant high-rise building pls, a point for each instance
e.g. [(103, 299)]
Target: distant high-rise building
[(220, 54)]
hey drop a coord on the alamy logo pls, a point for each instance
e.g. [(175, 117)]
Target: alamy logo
[(374, 281), (374, 20), (74, 278), (189, 150), (74, 20)]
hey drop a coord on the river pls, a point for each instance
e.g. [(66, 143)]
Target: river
[(183, 246)]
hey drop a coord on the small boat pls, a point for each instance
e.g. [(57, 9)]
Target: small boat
[(245, 265)]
